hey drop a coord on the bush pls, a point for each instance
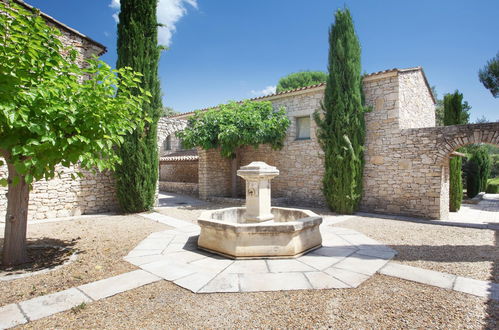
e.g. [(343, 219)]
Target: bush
[(492, 188)]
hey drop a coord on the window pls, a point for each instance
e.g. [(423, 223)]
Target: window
[(167, 145), (303, 128)]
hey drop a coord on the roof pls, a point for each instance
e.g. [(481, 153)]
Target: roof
[(180, 156), (64, 26), (301, 90)]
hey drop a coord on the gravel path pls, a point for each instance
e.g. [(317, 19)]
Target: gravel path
[(381, 302), (101, 244), (460, 251)]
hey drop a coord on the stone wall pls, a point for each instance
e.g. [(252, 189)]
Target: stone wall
[(184, 171), (179, 188)]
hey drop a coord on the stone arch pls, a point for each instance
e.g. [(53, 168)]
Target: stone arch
[(453, 137), (168, 127), (449, 139)]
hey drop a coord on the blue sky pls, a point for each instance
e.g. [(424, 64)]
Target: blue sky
[(224, 50)]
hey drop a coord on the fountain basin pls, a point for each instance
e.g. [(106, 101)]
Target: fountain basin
[(228, 232)]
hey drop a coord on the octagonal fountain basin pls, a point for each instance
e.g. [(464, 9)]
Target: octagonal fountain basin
[(228, 232)]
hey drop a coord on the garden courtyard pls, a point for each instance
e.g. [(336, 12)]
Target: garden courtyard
[(439, 255)]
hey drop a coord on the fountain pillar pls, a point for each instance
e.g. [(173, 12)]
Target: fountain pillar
[(257, 176)]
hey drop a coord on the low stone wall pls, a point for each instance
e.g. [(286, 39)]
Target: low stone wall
[(184, 171), (62, 197), (179, 188)]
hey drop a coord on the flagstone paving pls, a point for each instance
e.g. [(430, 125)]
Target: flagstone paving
[(173, 256)]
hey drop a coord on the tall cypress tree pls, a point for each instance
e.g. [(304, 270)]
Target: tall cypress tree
[(341, 126), (138, 48), (454, 114)]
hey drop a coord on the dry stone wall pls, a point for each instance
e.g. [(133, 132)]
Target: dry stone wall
[(181, 171)]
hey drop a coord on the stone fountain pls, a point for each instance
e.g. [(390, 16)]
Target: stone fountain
[(259, 230)]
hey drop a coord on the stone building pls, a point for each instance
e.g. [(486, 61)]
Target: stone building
[(407, 157), (64, 196)]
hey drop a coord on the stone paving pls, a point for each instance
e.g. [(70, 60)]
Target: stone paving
[(346, 259), (485, 212)]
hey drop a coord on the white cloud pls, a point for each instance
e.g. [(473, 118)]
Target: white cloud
[(266, 91), (169, 13), (115, 4)]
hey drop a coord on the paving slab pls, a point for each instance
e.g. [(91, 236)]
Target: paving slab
[(113, 285), (43, 306), (10, 316), (212, 264), (361, 264), (478, 288), (248, 267), (351, 278), (383, 254), (142, 260), (273, 282), (425, 276), (169, 270), (320, 280), (195, 281), (142, 253), (152, 244), (288, 265), (222, 283)]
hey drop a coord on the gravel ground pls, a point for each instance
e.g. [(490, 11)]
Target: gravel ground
[(380, 303), (101, 244), (461, 251)]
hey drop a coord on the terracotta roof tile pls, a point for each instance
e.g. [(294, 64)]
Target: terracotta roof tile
[(180, 156)]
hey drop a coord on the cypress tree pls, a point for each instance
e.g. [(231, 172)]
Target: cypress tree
[(454, 114), (137, 176), (478, 172), (340, 125)]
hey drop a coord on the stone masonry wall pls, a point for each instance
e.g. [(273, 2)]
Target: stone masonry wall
[(168, 127), (185, 171), (299, 162)]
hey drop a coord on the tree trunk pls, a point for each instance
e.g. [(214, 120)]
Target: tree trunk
[(234, 166), (14, 246)]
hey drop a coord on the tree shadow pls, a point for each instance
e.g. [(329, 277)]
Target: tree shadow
[(43, 253)]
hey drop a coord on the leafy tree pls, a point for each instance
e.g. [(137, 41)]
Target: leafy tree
[(138, 48), (300, 79), (168, 111), (341, 126), (235, 125), (489, 76), (49, 115), (477, 171)]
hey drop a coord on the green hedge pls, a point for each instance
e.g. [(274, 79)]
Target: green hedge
[(492, 188)]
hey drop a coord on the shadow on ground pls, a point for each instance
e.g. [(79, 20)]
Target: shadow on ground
[(43, 253)]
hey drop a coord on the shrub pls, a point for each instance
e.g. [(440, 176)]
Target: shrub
[(492, 188)]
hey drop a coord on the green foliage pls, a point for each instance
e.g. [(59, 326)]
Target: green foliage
[(455, 114), (49, 115), (492, 188), (494, 166), (439, 110), (137, 176), (456, 184), (300, 79), (168, 111), (477, 171), (234, 125), (341, 126), (489, 76)]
